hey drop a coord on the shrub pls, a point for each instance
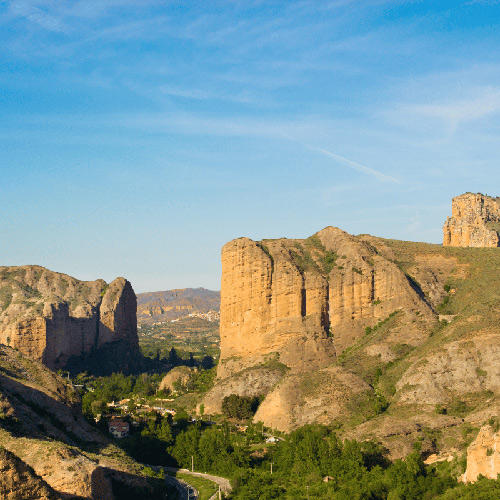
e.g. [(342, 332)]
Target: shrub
[(240, 407)]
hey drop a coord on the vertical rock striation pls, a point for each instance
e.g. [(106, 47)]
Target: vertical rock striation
[(475, 222), (304, 301), (52, 317)]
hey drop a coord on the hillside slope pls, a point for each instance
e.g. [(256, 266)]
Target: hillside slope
[(155, 307), (41, 424)]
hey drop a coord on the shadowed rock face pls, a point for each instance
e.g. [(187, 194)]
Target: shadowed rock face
[(52, 317), (45, 441), (475, 222), (306, 300)]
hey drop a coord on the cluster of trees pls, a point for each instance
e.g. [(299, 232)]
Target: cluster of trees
[(212, 449), (178, 358), (199, 381), (151, 443), (300, 464), (240, 407), (355, 471), (116, 387)]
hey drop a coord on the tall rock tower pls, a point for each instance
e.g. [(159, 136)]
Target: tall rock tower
[(56, 319), (475, 222)]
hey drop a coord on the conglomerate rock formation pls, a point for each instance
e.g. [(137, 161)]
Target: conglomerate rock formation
[(475, 222), (483, 456), (305, 300), (290, 308), (54, 318), (382, 339)]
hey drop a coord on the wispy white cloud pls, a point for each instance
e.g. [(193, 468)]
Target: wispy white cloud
[(38, 13), (209, 95), (458, 106), (485, 102)]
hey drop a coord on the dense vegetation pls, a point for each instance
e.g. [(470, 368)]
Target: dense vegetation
[(311, 462), (240, 407)]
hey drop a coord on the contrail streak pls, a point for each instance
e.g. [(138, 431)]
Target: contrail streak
[(356, 166)]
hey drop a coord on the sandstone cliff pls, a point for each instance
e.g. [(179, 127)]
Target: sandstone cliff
[(384, 339), (291, 308), (475, 222), (54, 318), (306, 300)]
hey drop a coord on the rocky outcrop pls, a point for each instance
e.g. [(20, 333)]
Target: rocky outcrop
[(306, 300), (176, 378), (53, 318), (300, 304), (456, 369), (257, 381), (483, 456), (320, 397), (475, 222), (18, 480)]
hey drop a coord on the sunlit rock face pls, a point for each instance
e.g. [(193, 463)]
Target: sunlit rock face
[(305, 300), (483, 456), (475, 222)]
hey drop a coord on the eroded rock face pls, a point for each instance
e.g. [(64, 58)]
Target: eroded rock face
[(51, 317), (253, 382), (316, 397), (475, 222), (178, 375), (457, 368), (300, 304), (306, 300), (483, 456), (42, 425)]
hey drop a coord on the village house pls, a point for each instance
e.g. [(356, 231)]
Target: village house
[(118, 428)]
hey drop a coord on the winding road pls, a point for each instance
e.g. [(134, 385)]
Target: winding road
[(225, 485)]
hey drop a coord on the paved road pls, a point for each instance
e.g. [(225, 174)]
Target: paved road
[(186, 491), (224, 483)]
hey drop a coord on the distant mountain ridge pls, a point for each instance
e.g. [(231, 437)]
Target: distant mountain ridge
[(153, 307)]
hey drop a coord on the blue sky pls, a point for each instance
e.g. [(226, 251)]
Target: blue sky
[(136, 138)]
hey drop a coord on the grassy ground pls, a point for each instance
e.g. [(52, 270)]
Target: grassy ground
[(205, 487)]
